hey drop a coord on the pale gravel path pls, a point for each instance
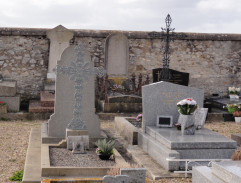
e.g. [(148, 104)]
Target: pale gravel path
[(14, 137)]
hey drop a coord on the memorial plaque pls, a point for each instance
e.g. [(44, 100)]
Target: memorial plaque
[(181, 78)]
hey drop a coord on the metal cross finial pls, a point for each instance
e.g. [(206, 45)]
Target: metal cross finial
[(79, 71), (167, 36)]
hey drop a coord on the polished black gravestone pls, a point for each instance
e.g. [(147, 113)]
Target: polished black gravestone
[(181, 78)]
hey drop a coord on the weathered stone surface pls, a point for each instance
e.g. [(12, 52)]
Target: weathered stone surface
[(137, 175), (59, 41), (228, 171), (204, 139), (8, 88), (161, 99), (116, 179), (210, 59), (117, 55), (13, 103), (65, 99), (78, 139), (200, 117)]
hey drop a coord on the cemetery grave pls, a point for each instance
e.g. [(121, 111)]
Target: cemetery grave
[(65, 145)]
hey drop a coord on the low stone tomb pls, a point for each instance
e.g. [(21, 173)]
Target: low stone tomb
[(163, 143), (222, 172)]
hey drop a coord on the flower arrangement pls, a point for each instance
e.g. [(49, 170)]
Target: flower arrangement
[(233, 90), (139, 117), (233, 107), (2, 103), (187, 106)]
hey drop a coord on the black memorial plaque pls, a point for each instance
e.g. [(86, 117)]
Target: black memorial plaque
[(181, 78)]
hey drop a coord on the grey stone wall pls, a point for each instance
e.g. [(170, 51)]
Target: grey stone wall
[(213, 60)]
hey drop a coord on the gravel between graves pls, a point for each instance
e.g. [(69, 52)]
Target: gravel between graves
[(64, 157), (14, 137)]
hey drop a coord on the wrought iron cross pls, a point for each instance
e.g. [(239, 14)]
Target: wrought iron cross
[(79, 71), (167, 35)]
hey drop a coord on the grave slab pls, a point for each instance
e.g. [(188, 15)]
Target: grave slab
[(203, 139), (8, 88), (161, 98)]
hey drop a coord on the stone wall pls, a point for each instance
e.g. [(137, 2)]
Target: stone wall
[(213, 60)]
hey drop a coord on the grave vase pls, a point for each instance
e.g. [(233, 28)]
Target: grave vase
[(188, 124)]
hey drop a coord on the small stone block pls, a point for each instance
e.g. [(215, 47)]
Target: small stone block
[(136, 175), (8, 88), (116, 179), (70, 132), (78, 148), (77, 139)]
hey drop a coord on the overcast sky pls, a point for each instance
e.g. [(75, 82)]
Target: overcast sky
[(210, 16)]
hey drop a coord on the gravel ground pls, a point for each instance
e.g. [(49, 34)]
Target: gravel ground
[(14, 136), (64, 157)]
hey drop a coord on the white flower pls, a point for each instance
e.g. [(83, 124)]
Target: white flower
[(188, 101)]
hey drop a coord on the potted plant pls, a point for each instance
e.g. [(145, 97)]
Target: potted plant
[(186, 108), (233, 93), (105, 149), (235, 110), (3, 107)]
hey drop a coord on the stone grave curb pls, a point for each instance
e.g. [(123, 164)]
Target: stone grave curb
[(48, 171), (128, 131)]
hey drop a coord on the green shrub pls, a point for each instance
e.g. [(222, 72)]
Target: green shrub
[(17, 176)]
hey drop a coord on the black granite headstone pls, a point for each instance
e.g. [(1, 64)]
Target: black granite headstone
[(181, 78)]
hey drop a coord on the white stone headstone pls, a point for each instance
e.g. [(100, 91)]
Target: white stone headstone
[(117, 55), (75, 95), (161, 98), (59, 41)]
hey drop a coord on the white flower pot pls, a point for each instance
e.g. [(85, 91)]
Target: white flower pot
[(188, 124), (237, 119), (234, 97)]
